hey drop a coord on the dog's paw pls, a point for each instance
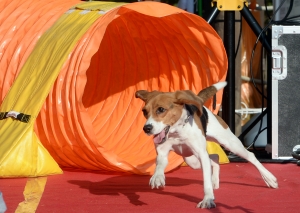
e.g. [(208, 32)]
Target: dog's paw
[(157, 181), (270, 179), (206, 203)]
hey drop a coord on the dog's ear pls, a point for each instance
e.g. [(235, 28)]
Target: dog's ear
[(189, 98), (145, 95), (141, 94)]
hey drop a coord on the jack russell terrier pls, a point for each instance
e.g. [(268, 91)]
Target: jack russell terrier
[(179, 122)]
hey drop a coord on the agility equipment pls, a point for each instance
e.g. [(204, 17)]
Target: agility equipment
[(69, 71)]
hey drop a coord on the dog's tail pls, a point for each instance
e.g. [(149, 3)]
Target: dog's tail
[(208, 92)]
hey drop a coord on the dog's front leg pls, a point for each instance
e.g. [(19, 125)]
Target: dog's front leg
[(158, 178)]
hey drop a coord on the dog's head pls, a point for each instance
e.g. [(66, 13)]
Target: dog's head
[(164, 109)]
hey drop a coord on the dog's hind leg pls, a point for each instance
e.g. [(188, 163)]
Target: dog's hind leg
[(214, 159), (217, 131), (194, 163)]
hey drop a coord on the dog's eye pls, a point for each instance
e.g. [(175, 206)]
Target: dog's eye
[(160, 110), (145, 112)]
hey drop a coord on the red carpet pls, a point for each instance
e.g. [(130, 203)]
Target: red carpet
[(241, 190)]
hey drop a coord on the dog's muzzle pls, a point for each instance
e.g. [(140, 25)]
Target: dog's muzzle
[(148, 128), (160, 137)]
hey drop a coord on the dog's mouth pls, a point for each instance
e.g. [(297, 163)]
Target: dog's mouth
[(162, 136)]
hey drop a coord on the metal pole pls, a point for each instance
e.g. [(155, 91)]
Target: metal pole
[(247, 15), (213, 14), (228, 103)]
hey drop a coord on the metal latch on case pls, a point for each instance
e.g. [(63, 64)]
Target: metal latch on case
[(279, 62)]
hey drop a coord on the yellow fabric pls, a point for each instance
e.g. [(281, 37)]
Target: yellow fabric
[(21, 153), (32, 194), (214, 148), (98, 6)]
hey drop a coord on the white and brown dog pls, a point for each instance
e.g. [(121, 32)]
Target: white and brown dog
[(179, 122)]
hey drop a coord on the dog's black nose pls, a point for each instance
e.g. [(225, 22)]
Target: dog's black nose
[(147, 128)]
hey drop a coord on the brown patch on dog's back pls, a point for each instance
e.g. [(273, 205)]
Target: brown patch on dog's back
[(221, 121), (198, 122)]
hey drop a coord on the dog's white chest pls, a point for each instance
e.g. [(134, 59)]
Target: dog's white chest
[(182, 150), (180, 140)]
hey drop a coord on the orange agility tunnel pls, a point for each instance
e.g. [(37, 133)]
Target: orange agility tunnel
[(73, 68)]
